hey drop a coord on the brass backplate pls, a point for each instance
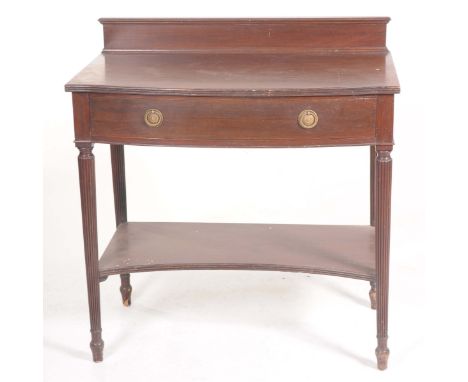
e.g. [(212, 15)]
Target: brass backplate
[(308, 119), (153, 117)]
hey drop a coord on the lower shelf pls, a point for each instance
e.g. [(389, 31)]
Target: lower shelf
[(346, 251)]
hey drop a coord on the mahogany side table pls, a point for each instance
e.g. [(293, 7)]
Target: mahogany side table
[(238, 83)]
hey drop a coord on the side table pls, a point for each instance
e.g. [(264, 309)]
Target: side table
[(237, 83)]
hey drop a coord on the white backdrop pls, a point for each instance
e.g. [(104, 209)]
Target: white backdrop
[(254, 326)]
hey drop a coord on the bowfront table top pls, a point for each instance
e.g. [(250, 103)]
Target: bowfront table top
[(237, 83), (167, 62), (238, 74)]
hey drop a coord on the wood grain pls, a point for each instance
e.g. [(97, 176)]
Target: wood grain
[(120, 207), (118, 183), (235, 35), (334, 250), (238, 75), (88, 210), (384, 120), (382, 250), (238, 83), (81, 117), (372, 185), (233, 122)]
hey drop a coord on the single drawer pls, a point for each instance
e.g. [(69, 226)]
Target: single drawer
[(233, 121)]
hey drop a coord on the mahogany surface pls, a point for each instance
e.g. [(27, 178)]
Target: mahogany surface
[(337, 250), (238, 83), (88, 212), (241, 57), (239, 74), (120, 207), (240, 35), (233, 121)]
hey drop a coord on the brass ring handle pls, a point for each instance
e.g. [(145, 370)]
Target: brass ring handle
[(153, 117), (308, 119)]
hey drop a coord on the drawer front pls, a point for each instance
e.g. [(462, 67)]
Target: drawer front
[(233, 121)]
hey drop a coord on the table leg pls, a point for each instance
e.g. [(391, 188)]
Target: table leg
[(120, 204), (382, 247), (372, 185), (88, 210), (373, 295), (372, 292)]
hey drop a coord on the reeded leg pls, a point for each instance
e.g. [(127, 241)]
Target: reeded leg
[(372, 292), (373, 295), (88, 209), (120, 205), (382, 246), (372, 185)]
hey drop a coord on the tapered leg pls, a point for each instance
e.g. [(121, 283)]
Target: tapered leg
[(382, 248), (373, 295), (88, 210), (126, 289), (120, 204), (372, 185), (372, 292)]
